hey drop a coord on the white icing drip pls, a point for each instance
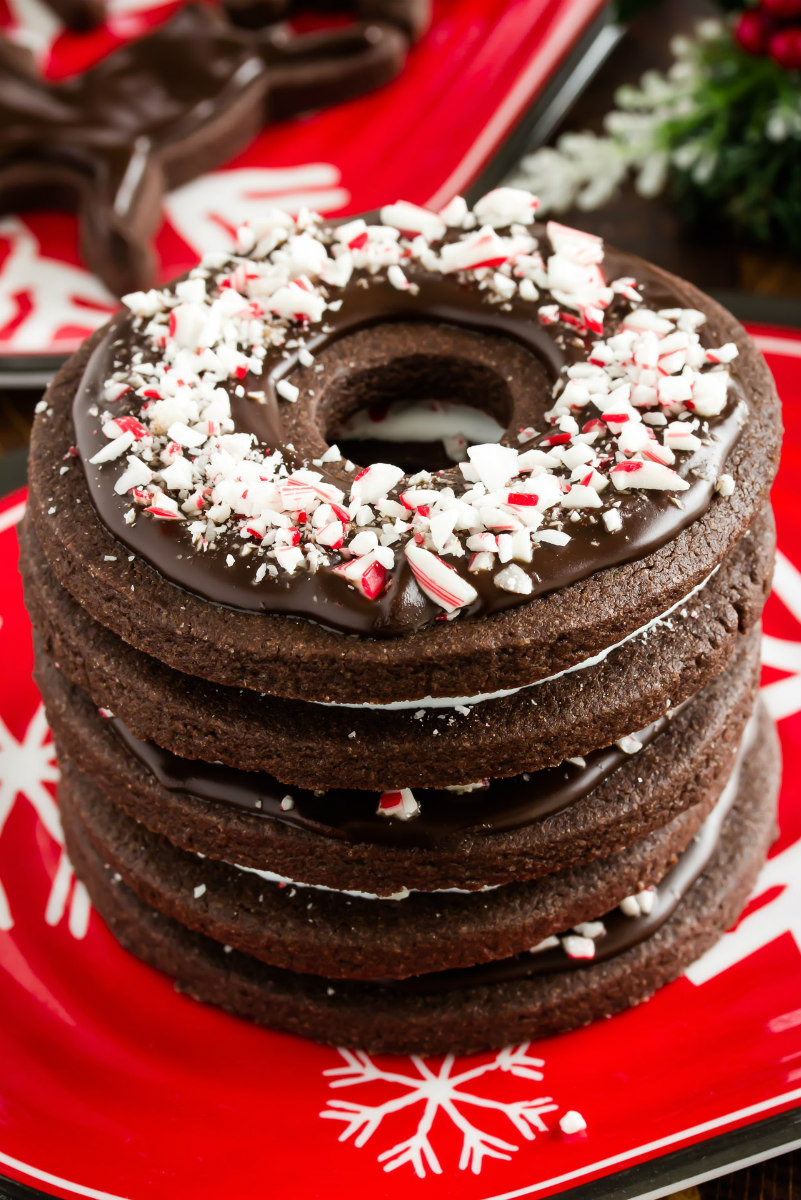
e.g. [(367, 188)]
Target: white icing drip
[(468, 701), (401, 894)]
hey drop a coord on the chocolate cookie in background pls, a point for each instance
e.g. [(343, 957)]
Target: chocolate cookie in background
[(425, 761), (108, 143)]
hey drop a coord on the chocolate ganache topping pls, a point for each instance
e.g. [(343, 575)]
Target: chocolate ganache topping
[(437, 815), (201, 417)]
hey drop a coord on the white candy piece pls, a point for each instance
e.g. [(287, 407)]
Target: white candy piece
[(401, 805), (410, 218), (287, 390), (710, 393), (576, 946), (639, 474), (455, 212), (495, 464), (113, 449), (375, 482), (575, 244), (572, 1122), (482, 249), (506, 206), (514, 579)]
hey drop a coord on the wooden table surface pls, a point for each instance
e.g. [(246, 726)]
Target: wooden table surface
[(648, 228)]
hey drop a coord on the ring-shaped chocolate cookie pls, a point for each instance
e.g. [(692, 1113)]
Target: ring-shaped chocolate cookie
[(225, 613)]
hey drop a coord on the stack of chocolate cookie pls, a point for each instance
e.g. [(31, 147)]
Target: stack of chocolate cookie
[(429, 761)]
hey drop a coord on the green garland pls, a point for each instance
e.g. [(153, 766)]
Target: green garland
[(720, 130), (754, 184)]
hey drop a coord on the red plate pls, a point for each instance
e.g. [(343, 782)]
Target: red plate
[(425, 137), (113, 1085)]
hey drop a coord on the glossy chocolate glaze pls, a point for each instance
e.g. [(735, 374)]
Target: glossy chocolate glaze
[(350, 815), (444, 303)]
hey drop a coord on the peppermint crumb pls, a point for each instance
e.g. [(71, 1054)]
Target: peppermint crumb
[(352, 733), (200, 890), (287, 390), (287, 803), (572, 1122), (109, 558), (227, 949), (630, 447)]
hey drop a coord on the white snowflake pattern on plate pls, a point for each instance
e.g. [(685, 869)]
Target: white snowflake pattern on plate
[(438, 1093), (208, 211)]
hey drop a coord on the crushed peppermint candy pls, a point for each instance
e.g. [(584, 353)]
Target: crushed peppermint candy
[(572, 1122), (576, 946), (401, 805), (639, 905), (624, 415)]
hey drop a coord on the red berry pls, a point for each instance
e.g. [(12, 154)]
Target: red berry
[(782, 10), (751, 32), (785, 49)]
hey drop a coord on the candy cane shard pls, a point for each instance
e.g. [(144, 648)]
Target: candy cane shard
[(411, 219), (401, 804), (440, 582), (652, 475), (375, 482), (506, 206)]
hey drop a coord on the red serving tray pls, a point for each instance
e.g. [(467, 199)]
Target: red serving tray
[(424, 137), (112, 1085)]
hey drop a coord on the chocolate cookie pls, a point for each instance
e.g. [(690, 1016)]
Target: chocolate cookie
[(494, 834), (374, 753), (316, 746), (558, 604), (349, 937), (463, 1011), (109, 142)]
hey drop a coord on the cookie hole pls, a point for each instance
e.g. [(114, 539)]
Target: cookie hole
[(420, 411)]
